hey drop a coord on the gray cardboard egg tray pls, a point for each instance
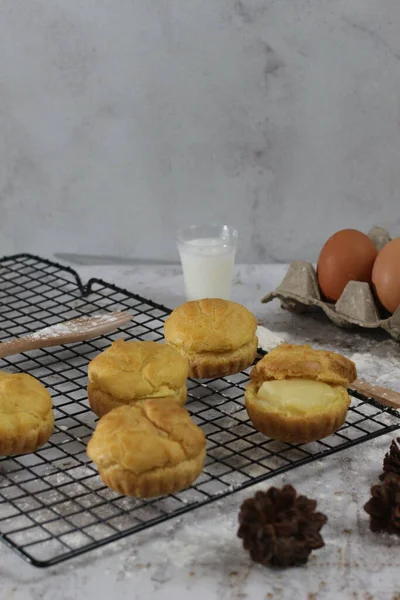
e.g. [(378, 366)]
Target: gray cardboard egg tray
[(299, 292)]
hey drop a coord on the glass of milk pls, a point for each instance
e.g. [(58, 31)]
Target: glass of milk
[(208, 255)]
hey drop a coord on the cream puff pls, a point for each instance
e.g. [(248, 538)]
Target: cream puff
[(148, 449), (298, 394), (217, 337), (26, 414), (127, 372)]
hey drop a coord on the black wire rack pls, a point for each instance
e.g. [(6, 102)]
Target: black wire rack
[(53, 505)]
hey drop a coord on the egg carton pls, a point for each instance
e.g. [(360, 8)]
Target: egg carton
[(299, 292)]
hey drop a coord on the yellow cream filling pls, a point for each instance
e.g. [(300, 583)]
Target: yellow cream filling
[(163, 391), (298, 396)]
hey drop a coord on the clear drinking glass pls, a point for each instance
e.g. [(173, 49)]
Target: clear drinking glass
[(208, 256)]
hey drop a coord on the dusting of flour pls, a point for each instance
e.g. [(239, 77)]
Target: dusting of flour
[(383, 370), (78, 325)]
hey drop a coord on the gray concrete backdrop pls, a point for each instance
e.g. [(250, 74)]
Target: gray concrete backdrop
[(121, 120)]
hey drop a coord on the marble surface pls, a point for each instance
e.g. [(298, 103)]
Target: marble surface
[(198, 555), (123, 119)]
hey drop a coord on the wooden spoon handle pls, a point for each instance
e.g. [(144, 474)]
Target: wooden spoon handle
[(23, 345), (69, 332), (379, 393)]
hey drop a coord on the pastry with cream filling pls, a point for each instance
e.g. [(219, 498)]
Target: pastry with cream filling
[(26, 414), (216, 336), (298, 394), (148, 449), (128, 372)]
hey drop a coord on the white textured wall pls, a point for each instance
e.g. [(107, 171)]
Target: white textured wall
[(122, 119)]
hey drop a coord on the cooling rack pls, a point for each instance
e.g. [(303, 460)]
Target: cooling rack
[(53, 505)]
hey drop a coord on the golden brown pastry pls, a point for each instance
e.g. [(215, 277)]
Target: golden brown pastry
[(128, 372), (217, 337), (148, 449), (298, 394), (26, 414), (291, 360)]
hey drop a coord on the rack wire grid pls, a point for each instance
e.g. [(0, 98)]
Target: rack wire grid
[(53, 505)]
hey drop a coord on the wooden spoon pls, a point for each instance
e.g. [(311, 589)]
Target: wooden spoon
[(68, 332), (381, 394)]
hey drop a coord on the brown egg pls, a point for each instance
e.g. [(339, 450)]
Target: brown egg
[(348, 255), (386, 275)]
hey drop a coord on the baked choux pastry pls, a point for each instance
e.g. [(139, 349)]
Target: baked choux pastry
[(127, 372), (298, 394), (217, 337), (148, 449), (26, 414)]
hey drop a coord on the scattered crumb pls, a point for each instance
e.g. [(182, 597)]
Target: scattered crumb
[(347, 531), (192, 573), (233, 573)]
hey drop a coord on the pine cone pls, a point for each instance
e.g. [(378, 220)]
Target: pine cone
[(384, 505), (391, 462), (280, 528)]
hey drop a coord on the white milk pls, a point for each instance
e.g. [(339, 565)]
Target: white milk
[(207, 268)]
